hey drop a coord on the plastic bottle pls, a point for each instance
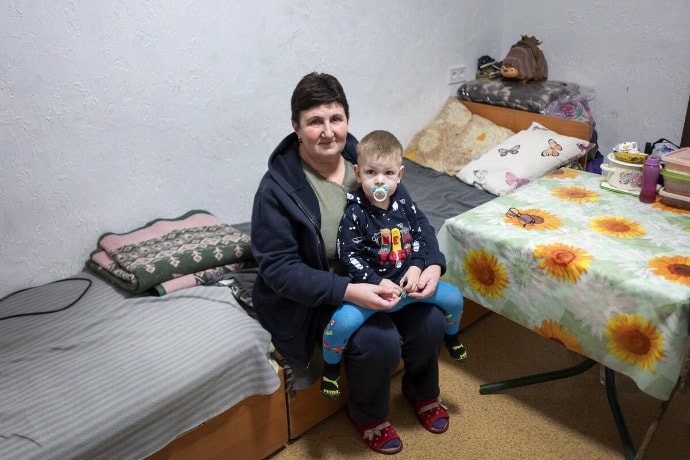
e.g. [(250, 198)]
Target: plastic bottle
[(650, 177)]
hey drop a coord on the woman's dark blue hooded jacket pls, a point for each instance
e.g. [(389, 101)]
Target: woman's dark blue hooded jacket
[(294, 285)]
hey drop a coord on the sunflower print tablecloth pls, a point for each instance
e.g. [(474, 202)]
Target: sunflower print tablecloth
[(597, 271)]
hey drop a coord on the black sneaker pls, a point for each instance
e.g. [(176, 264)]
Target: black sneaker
[(330, 381), (330, 388), (487, 68)]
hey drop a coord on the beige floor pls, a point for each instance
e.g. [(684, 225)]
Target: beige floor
[(564, 419)]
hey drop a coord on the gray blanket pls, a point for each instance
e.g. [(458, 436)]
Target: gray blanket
[(440, 196), (113, 376)]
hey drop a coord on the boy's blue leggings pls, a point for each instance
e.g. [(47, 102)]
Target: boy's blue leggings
[(350, 317)]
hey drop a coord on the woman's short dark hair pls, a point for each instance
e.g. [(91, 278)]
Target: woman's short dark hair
[(315, 89)]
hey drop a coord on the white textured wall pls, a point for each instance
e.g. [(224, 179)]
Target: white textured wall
[(635, 55), (116, 113)]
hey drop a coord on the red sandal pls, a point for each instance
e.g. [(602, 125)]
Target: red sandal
[(378, 434), (429, 412)]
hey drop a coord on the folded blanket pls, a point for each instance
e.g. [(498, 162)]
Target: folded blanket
[(167, 255)]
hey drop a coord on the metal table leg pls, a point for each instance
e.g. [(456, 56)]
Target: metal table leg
[(537, 378), (611, 394), (622, 428)]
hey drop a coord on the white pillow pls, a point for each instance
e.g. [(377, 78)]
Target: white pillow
[(521, 158)]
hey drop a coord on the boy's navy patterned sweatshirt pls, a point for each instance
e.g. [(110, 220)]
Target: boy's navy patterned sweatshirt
[(374, 243)]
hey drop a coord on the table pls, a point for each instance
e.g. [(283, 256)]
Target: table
[(597, 271)]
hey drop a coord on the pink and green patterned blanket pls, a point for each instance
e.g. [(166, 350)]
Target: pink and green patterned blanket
[(167, 255)]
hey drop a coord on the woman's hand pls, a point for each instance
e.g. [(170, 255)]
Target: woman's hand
[(390, 289), (428, 282), (372, 296)]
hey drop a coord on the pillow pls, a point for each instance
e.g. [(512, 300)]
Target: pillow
[(521, 158), (454, 138), (532, 96)]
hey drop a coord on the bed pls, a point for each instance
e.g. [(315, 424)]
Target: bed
[(185, 372), (441, 195), (94, 380), (94, 368)]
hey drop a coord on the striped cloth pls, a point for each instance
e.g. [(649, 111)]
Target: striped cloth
[(119, 377)]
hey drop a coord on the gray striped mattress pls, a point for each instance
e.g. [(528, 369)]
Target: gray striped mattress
[(119, 377)]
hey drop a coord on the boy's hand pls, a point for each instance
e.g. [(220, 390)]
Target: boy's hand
[(410, 281), (428, 282)]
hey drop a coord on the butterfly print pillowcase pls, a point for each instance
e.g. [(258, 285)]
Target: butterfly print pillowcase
[(522, 158)]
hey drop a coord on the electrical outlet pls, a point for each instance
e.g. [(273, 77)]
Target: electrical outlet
[(456, 74)]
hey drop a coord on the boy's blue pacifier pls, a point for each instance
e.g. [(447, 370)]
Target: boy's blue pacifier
[(379, 192)]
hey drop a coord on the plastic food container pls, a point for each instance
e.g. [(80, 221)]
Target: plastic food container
[(676, 183), (674, 200), (677, 161), (623, 175)]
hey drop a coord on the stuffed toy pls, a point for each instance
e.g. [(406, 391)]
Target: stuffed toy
[(525, 61)]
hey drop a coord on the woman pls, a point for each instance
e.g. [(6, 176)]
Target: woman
[(297, 209)]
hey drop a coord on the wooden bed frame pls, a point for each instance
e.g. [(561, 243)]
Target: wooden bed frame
[(252, 429), (517, 120), (261, 425)]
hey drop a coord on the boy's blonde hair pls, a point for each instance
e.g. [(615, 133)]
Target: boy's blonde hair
[(378, 144)]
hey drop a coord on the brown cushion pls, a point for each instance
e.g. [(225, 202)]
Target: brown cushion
[(454, 138)]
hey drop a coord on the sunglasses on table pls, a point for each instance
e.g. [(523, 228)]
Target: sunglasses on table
[(524, 219)]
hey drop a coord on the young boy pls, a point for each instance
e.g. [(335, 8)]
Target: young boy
[(380, 242)]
